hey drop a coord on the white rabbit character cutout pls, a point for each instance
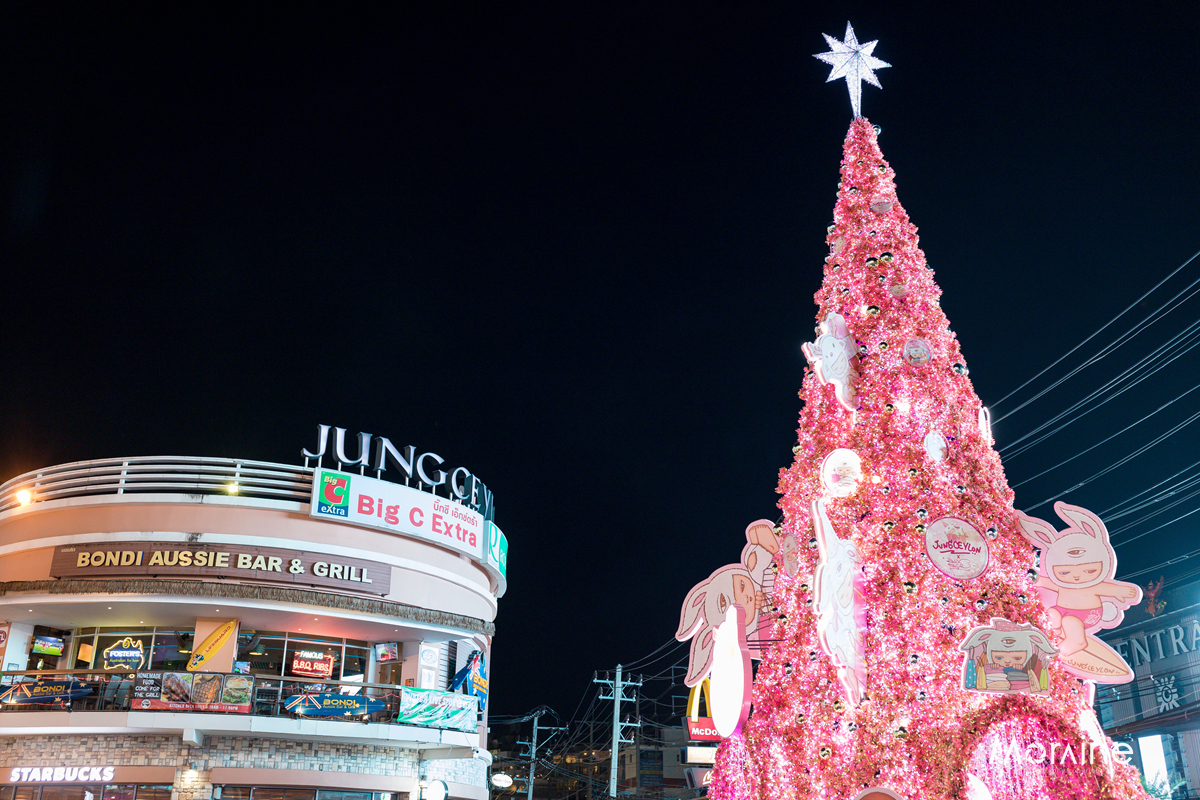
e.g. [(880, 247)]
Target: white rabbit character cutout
[(1078, 587), (748, 584), (835, 359), (840, 611)]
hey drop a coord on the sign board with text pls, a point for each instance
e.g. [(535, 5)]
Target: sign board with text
[(359, 500), (179, 560), (188, 691)]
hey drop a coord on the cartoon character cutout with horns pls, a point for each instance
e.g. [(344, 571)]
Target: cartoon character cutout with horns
[(840, 609), (1078, 587)]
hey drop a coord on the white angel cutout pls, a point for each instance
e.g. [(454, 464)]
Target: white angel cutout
[(835, 358), (841, 618)]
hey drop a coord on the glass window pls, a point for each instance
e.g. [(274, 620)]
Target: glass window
[(267, 657), (354, 667), (85, 650), (25, 793), (172, 650), (6, 792), (270, 793), (235, 793), (313, 660), (119, 791), (154, 792), (69, 792), (337, 794)]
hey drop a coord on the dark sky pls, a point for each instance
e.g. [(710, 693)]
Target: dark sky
[(574, 248)]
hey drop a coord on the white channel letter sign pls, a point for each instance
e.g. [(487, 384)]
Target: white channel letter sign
[(60, 774), (497, 549), (387, 506)]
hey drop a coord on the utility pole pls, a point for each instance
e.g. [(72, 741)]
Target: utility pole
[(618, 738), (533, 749)]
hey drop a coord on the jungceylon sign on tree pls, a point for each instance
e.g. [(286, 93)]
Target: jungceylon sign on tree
[(913, 654)]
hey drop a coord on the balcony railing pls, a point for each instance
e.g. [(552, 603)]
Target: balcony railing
[(159, 474), (349, 701)]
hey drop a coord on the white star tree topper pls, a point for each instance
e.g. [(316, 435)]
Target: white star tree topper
[(854, 62)]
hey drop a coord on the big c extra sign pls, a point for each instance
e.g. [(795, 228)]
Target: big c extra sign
[(391, 507)]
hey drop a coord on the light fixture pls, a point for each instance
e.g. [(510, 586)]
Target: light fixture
[(232, 488), (110, 608), (903, 406), (24, 497)]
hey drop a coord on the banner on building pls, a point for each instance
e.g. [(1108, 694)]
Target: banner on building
[(188, 691), (34, 692), (332, 705), (437, 709)]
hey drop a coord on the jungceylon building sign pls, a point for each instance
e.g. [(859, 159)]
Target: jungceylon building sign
[(160, 607)]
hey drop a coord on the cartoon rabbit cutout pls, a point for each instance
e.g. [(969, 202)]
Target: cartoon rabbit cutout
[(748, 584), (1078, 587), (1006, 658), (835, 358), (839, 605)]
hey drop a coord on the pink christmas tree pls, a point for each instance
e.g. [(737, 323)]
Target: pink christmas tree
[(909, 656)]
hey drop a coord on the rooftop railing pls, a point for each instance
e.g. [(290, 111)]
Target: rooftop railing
[(159, 474)]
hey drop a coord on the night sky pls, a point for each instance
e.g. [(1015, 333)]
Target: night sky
[(574, 249)]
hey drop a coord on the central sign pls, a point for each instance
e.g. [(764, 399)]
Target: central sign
[(391, 507), (312, 664)]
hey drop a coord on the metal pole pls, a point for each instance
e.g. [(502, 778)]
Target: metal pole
[(532, 758), (616, 742)]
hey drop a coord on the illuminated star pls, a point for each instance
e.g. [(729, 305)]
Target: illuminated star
[(854, 62)]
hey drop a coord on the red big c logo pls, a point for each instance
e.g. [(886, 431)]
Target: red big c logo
[(335, 491)]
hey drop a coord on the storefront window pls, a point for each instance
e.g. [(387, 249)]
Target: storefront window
[(267, 657), (69, 792), (267, 793), (6, 792), (119, 791), (354, 667), (334, 794), (85, 649), (232, 793), (154, 792), (25, 793), (167, 653)]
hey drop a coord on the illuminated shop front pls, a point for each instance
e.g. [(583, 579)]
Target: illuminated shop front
[(317, 632)]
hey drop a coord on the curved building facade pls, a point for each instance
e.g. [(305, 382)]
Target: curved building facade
[(217, 628)]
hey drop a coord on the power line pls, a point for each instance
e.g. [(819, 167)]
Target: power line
[(1088, 339)]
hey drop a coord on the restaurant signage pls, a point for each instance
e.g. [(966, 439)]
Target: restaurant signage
[(332, 705), (61, 774), (176, 559), (312, 664), (497, 550), (188, 691), (34, 692), (394, 508), (125, 654)]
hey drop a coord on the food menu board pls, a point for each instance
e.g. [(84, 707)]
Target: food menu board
[(192, 691)]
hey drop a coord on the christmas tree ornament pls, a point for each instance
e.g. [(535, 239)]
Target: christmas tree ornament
[(853, 61), (920, 527), (883, 345), (898, 291), (912, 472), (841, 472), (991, 532), (956, 547), (981, 604), (909, 587), (960, 488), (960, 369), (838, 705), (862, 349), (834, 357), (901, 733), (1005, 657), (787, 668), (888, 525), (917, 352), (1031, 575), (872, 262), (826, 751), (873, 310), (922, 513), (888, 408), (1022, 599), (886, 258), (800, 718)]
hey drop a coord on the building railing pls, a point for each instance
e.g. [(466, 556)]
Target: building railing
[(159, 474), (291, 697)]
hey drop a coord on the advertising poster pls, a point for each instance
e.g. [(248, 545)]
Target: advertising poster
[(332, 705), (391, 507), (187, 691), (437, 709), (312, 664), (44, 692)]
